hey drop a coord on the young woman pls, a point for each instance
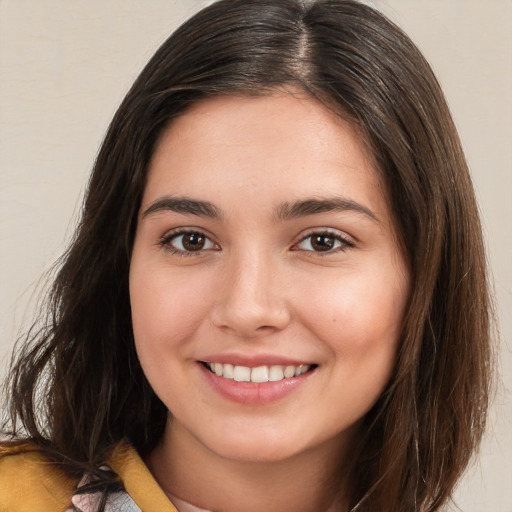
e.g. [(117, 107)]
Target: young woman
[(276, 298)]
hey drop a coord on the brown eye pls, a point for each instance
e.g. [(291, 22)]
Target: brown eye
[(193, 241), (322, 242), (188, 242)]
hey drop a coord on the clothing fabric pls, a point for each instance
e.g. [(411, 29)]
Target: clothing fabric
[(29, 482), (88, 502)]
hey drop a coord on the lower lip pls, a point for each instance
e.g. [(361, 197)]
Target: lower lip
[(251, 392)]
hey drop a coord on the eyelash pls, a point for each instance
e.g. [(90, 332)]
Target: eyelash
[(345, 243), (166, 242)]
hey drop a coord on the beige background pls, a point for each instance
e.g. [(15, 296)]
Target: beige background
[(66, 64)]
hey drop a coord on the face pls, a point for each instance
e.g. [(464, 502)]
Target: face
[(267, 286)]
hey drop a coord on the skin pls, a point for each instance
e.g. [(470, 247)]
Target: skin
[(259, 286)]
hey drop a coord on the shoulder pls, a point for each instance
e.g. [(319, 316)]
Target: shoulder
[(138, 481), (29, 481)]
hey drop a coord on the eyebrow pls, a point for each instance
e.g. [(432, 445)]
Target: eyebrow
[(183, 205), (285, 211), (288, 211)]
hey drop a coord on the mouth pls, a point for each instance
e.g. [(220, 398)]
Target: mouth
[(258, 374)]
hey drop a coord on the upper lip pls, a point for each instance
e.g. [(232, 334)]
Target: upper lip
[(254, 360)]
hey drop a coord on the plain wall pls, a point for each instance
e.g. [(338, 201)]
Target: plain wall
[(66, 65)]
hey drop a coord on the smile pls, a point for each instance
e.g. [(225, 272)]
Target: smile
[(258, 374)]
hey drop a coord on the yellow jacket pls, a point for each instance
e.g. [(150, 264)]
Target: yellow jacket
[(31, 483)]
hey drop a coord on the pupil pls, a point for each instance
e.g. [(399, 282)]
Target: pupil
[(193, 242), (322, 242)]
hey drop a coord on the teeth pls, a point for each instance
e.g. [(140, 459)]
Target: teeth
[(289, 371), (242, 374), (298, 371), (227, 371), (275, 373), (258, 374)]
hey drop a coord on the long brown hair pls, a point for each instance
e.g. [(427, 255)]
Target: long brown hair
[(77, 387)]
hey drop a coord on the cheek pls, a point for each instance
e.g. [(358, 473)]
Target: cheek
[(165, 311), (358, 317), (357, 311)]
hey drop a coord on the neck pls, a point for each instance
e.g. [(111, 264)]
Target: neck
[(306, 482)]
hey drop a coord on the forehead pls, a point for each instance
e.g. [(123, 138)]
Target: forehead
[(275, 145), (281, 119)]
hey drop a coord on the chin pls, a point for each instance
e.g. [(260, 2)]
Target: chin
[(261, 446)]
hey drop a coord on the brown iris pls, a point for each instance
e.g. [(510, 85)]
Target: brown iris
[(322, 242), (193, 241)]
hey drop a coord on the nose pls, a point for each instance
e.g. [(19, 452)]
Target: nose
[(251, 301)]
